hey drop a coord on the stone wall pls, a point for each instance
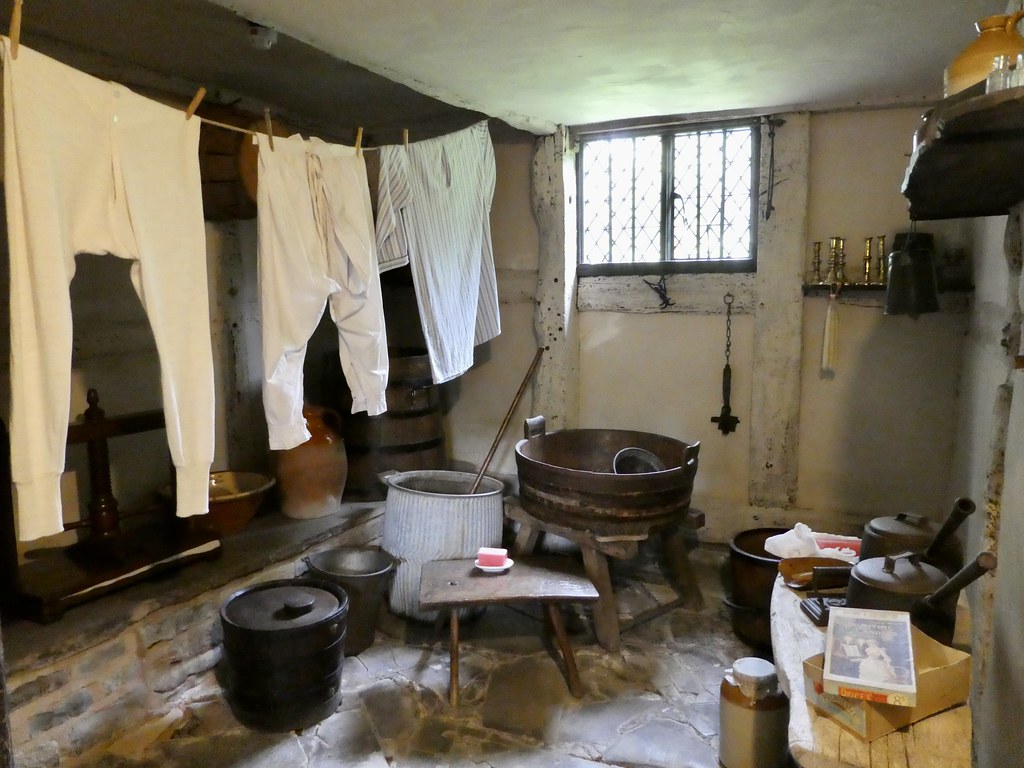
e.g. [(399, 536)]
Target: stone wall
[(70, 698)]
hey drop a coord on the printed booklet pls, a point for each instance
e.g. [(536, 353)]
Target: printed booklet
[(869, 655)]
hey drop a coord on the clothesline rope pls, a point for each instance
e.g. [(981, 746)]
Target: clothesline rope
[(201, 93), (240, 129)]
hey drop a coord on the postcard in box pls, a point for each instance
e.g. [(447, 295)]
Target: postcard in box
[(869, 655), (943, 681)]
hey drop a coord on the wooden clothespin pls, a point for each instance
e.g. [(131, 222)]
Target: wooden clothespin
[(359, 140), (194, 104), (270, 127), (15, 27), (405, 137)]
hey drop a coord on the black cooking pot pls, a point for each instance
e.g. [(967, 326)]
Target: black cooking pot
[(938, 546), (902, 582), (283, 652)]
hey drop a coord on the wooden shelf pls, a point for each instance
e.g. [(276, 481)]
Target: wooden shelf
[(969, 157), (823, 289)]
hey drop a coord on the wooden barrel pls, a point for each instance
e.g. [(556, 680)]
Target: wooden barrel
[(224, 197), (227, 163), (410, 435)]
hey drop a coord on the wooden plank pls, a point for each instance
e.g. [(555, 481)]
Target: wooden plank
[(449, 583), (116, 426)]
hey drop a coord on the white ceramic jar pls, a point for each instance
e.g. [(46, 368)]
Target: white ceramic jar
[(753, 716)]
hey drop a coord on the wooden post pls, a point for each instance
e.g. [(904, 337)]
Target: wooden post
[(6, 746), (104, 519), (453, 655)]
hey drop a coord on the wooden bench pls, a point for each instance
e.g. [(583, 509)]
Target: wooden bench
[(550, 581)]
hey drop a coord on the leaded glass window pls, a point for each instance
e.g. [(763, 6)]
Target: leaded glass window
[(679, 199)]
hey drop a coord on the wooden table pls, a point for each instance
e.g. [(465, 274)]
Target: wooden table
[(551, 581), (815, 741), (596, 550)]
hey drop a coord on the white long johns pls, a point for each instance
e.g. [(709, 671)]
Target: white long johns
[(316, 245), (92, 167), (434, 214)]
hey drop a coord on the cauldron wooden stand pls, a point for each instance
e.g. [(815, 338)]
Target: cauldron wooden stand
[(569, 486), (597, 548)]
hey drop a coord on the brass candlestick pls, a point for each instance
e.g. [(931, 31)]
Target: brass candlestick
[(816, 263), (833, 261), (841, 260), (867, 259), (880, 265)]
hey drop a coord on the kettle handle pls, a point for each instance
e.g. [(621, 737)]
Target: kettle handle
[(1011, 22), (828, 577), (962, 509), (975, 569)]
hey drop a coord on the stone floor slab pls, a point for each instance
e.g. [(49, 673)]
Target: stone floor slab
[(654, 703), (662, 744)]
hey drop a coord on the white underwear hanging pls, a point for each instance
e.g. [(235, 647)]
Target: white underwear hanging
[(316, 246), (92, 167)]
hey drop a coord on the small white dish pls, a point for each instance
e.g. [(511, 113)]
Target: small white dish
[(495, 568)]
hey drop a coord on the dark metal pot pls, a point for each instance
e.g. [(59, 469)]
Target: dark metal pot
[(283, 652), (938, 546), (365, 573), (752, 573), (903, 583)]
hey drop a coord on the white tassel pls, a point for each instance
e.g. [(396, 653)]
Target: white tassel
[(830, 344)]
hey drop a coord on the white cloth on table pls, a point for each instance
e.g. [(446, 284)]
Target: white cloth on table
[(92, 167), (433, 213), (316, 247)]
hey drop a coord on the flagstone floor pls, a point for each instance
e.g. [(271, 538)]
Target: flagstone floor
[(653, 704)]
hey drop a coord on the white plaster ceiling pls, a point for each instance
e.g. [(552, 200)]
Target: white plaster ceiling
[(539, 64)]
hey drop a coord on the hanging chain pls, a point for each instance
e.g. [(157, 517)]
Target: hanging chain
[(725, 420), (729, 299)]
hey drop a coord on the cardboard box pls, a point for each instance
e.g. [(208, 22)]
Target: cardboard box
[(943, 681)]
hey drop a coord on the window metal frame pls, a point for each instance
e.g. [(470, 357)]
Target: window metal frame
[(667, 132)]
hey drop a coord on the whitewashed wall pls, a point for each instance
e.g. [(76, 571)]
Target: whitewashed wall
[(874, 438), (989, 456)]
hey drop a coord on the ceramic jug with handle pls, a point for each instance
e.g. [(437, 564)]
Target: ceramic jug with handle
[(997, 36), (311, 476)]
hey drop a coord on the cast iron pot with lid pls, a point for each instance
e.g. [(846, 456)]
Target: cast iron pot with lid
[(912, 533), (902, 582), (284, 646)]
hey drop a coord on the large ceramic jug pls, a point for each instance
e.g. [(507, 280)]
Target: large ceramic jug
[(997, 36), (311, 477)]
